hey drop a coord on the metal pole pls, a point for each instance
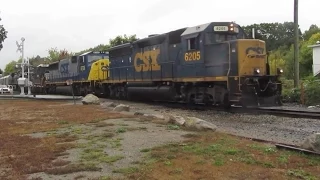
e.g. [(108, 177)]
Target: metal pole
[(21, 49), (296, 45), (253, 33), (29, 89)]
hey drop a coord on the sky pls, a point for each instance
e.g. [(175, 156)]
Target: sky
[(76, 25)]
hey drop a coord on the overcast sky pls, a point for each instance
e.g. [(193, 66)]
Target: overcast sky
[(80, 24)]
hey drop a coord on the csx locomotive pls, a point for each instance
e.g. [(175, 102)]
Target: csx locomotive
[(213, 63)]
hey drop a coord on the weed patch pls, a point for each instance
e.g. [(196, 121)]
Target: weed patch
[(121, 130), (173, 127), (97, 155), (126, 170), (72, 168), (301, 174)]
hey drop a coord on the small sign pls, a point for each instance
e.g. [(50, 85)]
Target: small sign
[(221, 28)]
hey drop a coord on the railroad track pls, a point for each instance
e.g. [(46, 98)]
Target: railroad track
[(288, 113), (235, 109), (277, 111)]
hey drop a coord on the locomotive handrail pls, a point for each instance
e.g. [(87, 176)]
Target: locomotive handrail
[(229, 65)]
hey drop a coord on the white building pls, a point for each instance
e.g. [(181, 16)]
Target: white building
[(316, 59)]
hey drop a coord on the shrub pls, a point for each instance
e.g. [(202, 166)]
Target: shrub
[(291, 95), (311, 89)]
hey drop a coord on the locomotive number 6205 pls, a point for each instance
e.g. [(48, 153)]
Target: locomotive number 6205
[(192, 56)]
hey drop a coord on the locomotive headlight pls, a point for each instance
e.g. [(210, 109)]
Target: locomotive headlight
[(279, 71), (104, 68), (256, 71)]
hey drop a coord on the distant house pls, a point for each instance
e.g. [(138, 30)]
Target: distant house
[(316, 59)]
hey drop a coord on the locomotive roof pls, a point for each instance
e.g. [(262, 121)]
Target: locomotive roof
[(187, 31), (194, 29), (119, 46), (91, 52), (203, 27)]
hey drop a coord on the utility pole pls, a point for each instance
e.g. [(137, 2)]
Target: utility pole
[(29, 88), (296, 45)]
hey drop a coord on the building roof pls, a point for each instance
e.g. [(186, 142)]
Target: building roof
[(313, 46)]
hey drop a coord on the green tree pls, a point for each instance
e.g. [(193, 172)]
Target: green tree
[(1, 72), (112, 42), (274, 34), (122, 40), (10, 68), (277, 60), (3, 35), (313, 29), (36, 60), (57, 55)]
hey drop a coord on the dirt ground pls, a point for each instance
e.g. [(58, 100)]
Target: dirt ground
[(59, 140)]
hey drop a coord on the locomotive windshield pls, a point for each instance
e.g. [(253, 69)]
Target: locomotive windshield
[(221, 33)]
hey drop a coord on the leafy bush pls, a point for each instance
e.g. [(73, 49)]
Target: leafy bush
[(311, 91), (291, 95)]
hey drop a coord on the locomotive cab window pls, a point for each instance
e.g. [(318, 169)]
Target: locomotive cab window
[(192, 43), (81, 59), (225, 37)]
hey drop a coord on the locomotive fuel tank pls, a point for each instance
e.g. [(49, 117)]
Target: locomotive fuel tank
[(145, 92), (64, 90)]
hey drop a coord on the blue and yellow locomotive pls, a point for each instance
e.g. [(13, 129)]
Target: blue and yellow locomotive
[(213, 63)]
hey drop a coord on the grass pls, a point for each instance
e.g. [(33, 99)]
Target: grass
[(173, 127), (218, 156), (301, 174), (72, 168), (145, 150), (115, 143), (97, 155), (128, 170), (121, 130)]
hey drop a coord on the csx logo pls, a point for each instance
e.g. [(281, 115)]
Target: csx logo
[(64, 68), (255, 52), (145, 57)]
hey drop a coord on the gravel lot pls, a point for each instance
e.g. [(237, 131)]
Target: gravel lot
[(266, 127)]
